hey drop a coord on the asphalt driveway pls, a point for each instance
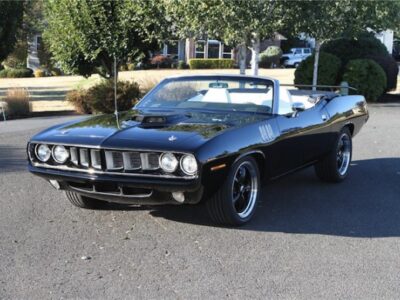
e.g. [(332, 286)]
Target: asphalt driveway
[(308, 240)]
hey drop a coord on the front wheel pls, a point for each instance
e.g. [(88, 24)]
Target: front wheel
[(84, 202), (335, 166), (236, 200)]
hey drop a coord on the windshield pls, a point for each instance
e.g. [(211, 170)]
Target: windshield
[(227, 93)]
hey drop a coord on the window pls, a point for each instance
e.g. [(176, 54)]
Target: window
[(172, 47), (38, 42), (200, 49), (227, 51), (298, 51), (222, 93), (307, 51), (213, 49)]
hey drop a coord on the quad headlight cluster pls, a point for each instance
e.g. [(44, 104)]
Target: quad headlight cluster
[(59, 153), (169, 163), (93, 158)]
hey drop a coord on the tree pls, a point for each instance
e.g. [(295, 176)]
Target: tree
[(86, 36), (236, 22), (324, 20), (11, 13)]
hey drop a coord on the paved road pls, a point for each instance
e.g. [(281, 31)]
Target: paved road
[(308, 240)]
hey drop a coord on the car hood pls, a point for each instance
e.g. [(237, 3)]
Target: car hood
[(141, 129)]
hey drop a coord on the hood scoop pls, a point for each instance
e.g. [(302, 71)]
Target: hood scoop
[(157, 121)]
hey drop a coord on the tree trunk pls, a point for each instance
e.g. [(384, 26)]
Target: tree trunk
[(316, 60), (255, 53), (242, 58)]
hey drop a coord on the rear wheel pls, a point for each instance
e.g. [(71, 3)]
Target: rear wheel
[(235, 202), (83, 201), (335, 166)]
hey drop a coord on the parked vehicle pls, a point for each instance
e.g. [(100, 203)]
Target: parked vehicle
[(209, 138), (295, 57)]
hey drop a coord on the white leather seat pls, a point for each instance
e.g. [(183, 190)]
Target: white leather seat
[(217, 95)]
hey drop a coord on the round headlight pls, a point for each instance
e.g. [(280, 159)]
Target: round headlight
[(168, 162), (43, 152), (189, 164), (60, 154)]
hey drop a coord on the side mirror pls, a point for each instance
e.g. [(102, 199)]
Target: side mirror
[(297, 107)]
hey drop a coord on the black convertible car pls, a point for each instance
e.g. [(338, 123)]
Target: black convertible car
[(200, 138)]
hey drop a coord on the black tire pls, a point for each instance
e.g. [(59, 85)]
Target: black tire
[(245, 186), (296, 65), (83, 201), (334, 167)]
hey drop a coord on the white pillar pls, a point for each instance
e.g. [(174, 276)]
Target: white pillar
[(165, 50), (206, 48)]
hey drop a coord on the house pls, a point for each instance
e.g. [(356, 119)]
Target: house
[(33, 48), (185, 49), (210, 48)]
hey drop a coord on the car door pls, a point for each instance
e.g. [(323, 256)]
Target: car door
[(304, 137)]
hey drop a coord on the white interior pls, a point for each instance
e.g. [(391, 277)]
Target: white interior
[(222, 95)]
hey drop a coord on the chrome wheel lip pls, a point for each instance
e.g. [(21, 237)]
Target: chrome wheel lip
[(343, 154), (252, 193)]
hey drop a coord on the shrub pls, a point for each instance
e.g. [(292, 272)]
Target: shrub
[(56, 72), (16, 73), (347, 49), (40, 73), (147, 84), (17, 58), (79, 99), (101, 96), (328, 70), (389, 65), (367, 77), (161, 61), (211, 63), (131, 67), (182, 65), (364, 46), (270, 57), (17, 100)]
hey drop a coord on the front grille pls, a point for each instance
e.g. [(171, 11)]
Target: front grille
[(109, 160), (111, 189), (114, 160), (132, 161), (94, 160)]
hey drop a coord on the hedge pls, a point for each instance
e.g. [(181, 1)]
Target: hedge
[(328, 70), (211, 63), (367, 77), (348, 49), (389, 65), (16, 73), (270, 57), (100, 97)]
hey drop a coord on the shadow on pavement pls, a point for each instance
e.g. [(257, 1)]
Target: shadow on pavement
[(12, 159), (366, 204)]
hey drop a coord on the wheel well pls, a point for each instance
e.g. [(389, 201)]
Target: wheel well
[(260, 159), (351, 128)]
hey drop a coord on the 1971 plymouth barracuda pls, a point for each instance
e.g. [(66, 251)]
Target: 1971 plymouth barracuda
[(208, 138)]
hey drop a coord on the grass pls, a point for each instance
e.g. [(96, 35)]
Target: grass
[(48, 93), (17, 100)]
